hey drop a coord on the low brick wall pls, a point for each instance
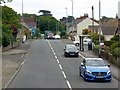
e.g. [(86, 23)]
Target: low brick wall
[(108, 56)]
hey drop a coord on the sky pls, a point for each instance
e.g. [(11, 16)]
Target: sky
[(109, 8)]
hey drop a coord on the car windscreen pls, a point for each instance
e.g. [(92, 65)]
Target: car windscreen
[(71, 48), (95, 63)]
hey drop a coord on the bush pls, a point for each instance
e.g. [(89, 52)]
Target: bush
[(109, 43), (115, 38), (96, 47), (5, 39), (117, 52), (114, 46)]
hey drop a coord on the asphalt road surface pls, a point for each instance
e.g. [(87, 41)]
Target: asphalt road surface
[(46, 67)]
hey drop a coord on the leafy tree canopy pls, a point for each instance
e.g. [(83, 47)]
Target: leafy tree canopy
[(45, 12)]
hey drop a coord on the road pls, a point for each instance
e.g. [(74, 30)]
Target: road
[(46, 67)]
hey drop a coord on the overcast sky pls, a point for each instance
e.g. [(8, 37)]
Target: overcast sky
[(109, 8)]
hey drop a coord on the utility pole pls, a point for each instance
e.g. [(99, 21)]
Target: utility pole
[(66, 20), (99, 29), (92, 22), (22, 15), (72, 20)]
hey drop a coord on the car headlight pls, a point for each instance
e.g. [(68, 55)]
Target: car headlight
[(67, 51), (76, 51), (108, 72), (87, 71)]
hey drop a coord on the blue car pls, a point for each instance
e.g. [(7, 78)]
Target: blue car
[(95, 69)]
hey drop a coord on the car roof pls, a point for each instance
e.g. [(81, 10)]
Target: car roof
[(93, 59), (70, 45)]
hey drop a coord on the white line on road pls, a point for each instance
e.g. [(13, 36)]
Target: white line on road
[(58, 61), (55, 56), (69, 84), (64, 74), (60, 67)]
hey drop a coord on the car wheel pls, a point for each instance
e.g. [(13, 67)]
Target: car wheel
[(77, 44), (84, 76), (65, 55)]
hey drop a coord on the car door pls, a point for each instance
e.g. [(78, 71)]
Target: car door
[(83, 67)]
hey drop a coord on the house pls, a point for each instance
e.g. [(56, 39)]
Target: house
[(28, 23), (80, 24), (108, 29)]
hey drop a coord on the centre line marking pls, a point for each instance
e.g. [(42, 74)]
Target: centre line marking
[(64, 74), (56, 57), (60, 67), (58, 61), (69, 84)]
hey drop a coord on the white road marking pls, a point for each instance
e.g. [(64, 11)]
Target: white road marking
[(64, 74), (58, 61), (69, 84), (60, 67), (55, 56), (54, 53)]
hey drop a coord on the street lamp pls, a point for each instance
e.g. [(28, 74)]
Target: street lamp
[(72, 19), (99, 28), (66, 20)]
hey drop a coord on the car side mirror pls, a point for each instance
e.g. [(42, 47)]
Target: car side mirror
[(82, 64), (108, 65)]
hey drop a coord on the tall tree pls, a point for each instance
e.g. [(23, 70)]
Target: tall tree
[(45, 12)]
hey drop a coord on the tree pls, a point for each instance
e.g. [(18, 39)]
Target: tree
[(45, 13), (10, 25)]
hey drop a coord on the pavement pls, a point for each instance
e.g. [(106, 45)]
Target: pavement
[(90, 54), (12, 59)]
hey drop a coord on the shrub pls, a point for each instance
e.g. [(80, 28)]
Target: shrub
[(115, 38), (5, 40), (117, 52), (114, 46), (96, 47), (109, 43)]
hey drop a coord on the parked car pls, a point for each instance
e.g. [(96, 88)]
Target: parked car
[(57, 36), (71, 50), (85, 42), (76, 43), (95, 69)]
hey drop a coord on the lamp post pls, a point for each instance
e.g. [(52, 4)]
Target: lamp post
[(92, 22), (99, 28), (22, 21), (72, 19), (66, 20)]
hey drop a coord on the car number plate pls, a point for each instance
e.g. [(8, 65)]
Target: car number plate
[(99, 77)]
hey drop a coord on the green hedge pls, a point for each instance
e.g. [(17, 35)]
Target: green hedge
[(108, 43), (96, 47), (113, 48), (117, 52)]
